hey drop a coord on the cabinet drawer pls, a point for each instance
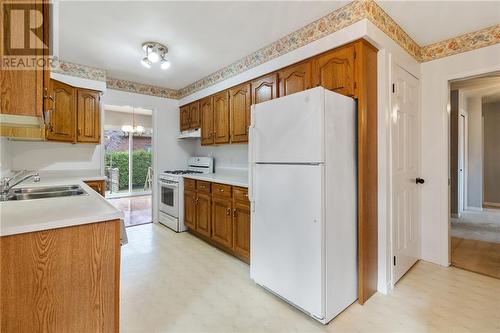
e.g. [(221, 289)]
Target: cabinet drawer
[(189, 184), (203, 186), (221, 190), (240, 194)]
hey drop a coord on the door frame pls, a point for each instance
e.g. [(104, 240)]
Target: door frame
[(391, 175), (462, 204)]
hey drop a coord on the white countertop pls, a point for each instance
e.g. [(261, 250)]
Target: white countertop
[(236, 177), (24, 216)]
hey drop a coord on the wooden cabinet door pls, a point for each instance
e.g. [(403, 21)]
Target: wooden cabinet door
[(88, 121), (194, 115), (222, 231), (241, 229), (335, 70), (221, 117), (239, 110), (190, 209), (207, 121), (184, 117), (62, 117), (203, 213), (265, 88), (295, 78), (97, 185)]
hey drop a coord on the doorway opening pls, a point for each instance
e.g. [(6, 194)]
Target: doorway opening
[(475, 173), (128, 161)]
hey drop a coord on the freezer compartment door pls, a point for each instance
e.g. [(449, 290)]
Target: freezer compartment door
[(287, 255), (289, 129)]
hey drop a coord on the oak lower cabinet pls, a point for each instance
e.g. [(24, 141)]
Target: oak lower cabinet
[(97, 185), (73, 114), (220, 215), (61, 280), (222, 228)]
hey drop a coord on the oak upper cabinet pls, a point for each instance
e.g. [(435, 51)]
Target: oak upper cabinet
[(221, 117), (239, 110), (241, 223), (295, 78), (184, 117), (222, 231), (61, 122), (88, 112), (190, 209), (207, 121), (194, 115), (265, 88), (334, 70), (203, 213)]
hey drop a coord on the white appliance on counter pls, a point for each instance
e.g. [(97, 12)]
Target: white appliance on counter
[(302, 188), (171, 192)]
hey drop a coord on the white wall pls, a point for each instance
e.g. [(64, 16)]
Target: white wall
[(5, 160), (55, 156), (435, 142), (168, 151), (491, 157), (226, 156), (475, 153)]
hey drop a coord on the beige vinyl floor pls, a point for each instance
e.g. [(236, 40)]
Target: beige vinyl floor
[(177, 283)]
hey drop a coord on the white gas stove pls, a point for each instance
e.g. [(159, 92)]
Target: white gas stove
[(171, 189)]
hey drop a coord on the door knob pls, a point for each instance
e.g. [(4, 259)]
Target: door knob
[(419, 181)]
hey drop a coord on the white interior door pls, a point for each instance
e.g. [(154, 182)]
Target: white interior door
[(405, 142)]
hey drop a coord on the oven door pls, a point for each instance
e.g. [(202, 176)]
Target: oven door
[(169, 198)]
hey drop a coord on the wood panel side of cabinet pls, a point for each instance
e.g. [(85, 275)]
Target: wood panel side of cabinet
[(334, 70), (190, 209), (366, 76), (194, 115), (221, 117), (265, 88), (295, 78), (62, 117), (88, 116), (61, 280), (222, 231), (207, 121), (239, 110)]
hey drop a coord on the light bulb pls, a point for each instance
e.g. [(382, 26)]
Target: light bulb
[(146, 63), (165, 64), (153, 56)]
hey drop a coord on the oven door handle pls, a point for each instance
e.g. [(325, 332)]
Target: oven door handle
[(168, 184)]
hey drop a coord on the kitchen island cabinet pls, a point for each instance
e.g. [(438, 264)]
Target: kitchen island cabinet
[(61, 280)]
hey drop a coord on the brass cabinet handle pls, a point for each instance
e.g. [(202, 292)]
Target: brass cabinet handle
[(79, 132), (228, 211), (234, 212), (221, 190)]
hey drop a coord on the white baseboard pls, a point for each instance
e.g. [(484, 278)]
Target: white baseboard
[(477, 209)]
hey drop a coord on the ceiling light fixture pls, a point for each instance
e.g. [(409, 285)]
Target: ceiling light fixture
[(154, 53)]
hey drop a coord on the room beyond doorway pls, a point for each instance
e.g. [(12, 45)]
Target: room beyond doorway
[(475, 174), (128, 161)]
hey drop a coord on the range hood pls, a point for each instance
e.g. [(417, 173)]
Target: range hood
[(190, 134)]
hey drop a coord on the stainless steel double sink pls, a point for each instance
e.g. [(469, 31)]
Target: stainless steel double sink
[(28, 193)]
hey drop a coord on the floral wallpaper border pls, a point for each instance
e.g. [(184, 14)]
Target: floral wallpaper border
[(334, 21), (140, 88), (72, 69), (467, 42)]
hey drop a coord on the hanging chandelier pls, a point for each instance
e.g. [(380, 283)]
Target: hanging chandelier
[(134, 129), (155, 52)]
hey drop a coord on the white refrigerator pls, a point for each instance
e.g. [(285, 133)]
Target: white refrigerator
[(302, 189)]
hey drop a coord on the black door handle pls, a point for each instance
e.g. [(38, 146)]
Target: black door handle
[(419, 181)]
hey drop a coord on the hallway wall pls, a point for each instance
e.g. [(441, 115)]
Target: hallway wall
[(491, 116), (475, 154)]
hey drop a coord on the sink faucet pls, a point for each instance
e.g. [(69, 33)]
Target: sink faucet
[(6, 186)]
